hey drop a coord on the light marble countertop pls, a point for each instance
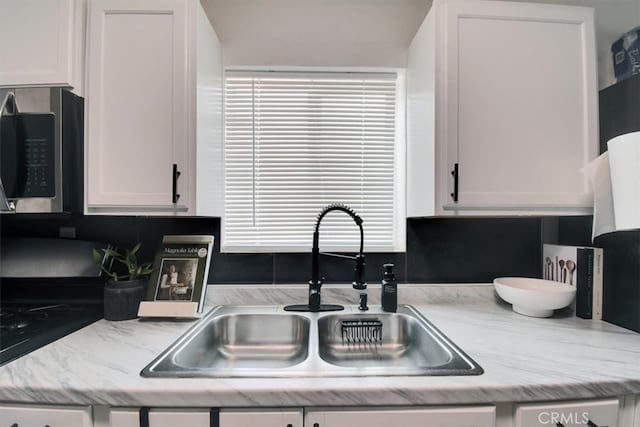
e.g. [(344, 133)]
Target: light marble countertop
[(524, 359)]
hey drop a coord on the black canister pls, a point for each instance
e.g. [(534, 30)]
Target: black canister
[(122, 298), (389, 295)]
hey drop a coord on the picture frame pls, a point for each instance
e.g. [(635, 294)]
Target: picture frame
[(178, 284)]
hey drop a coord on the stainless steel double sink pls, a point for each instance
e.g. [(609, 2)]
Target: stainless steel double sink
[(270, 342)]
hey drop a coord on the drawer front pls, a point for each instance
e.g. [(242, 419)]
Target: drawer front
[(602, 413)]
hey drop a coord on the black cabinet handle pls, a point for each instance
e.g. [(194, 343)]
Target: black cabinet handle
[(214, 417), (176, 173), (289, 425), (589, 423), (14, 425), (143, 417), (316, 425), (455, 172)]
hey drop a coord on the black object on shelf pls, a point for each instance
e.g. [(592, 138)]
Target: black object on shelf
[(619, 109), (619, 114), (621, 281)]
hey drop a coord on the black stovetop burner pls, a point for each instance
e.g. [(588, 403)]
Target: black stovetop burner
[(24, 327), (49, 288)]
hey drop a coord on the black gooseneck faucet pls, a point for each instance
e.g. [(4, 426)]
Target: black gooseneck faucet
[(316, 281)]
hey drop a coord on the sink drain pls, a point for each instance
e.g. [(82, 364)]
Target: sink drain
[(361, 331)]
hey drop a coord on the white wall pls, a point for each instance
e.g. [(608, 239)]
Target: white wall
[(347, 33), (354, 33)]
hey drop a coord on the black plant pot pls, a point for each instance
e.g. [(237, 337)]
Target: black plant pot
[(122, 298)]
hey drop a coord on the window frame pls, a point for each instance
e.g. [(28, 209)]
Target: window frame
[(400, 199)]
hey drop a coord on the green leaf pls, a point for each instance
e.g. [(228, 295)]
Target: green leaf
[(97, 258), (136, 248), (128, 259), (146, 269), (112, 253)]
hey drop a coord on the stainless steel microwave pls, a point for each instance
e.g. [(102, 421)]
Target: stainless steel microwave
[(41, 151)]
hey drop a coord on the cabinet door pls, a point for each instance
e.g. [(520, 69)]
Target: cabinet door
[(158, 417), (137, 105), (179, 417), (568, 414), (519, 105), (262, 417), (40, 42), (130, 417), (418, 417), (52, 416)]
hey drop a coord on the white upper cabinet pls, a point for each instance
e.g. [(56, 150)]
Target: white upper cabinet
[(42, 43), (502, 109), (143, 91)]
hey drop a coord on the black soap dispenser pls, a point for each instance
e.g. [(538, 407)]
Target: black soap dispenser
[(389, 296)]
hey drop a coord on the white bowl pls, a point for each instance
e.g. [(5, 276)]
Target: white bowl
[(534, 297)]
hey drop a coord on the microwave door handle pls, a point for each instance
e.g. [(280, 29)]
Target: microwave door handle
[(9, 103), (5, 204), (9, 106)]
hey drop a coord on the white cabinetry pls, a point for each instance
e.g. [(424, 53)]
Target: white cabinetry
[(42, 43), (158, 417), (472, 416), (198, 417), (261, 417), (52, 416), (150, 65), (505, 93), (568, 414)]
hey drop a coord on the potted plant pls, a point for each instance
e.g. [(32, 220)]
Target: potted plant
[(127, 286)]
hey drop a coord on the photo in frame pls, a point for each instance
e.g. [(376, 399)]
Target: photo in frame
[(180, 270)]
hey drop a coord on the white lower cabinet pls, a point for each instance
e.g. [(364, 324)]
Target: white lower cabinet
[(614, 412), (469, 416), (261, 417), (600, 413), (200, 417), (157, 417), (45, 415)]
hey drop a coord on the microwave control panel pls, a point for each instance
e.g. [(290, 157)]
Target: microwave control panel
[(39, 173), (28, 155)]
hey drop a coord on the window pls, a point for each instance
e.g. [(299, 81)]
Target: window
[(298, 141)]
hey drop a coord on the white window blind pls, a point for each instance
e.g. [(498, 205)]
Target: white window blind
[(296, 142)]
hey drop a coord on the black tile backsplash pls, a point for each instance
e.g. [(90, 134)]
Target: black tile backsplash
[(445, 250), (472, 249), (241, 268), (296, 267), (121, 231), (575, 230)]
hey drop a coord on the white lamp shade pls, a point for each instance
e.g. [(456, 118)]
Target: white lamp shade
[(624, 161)]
